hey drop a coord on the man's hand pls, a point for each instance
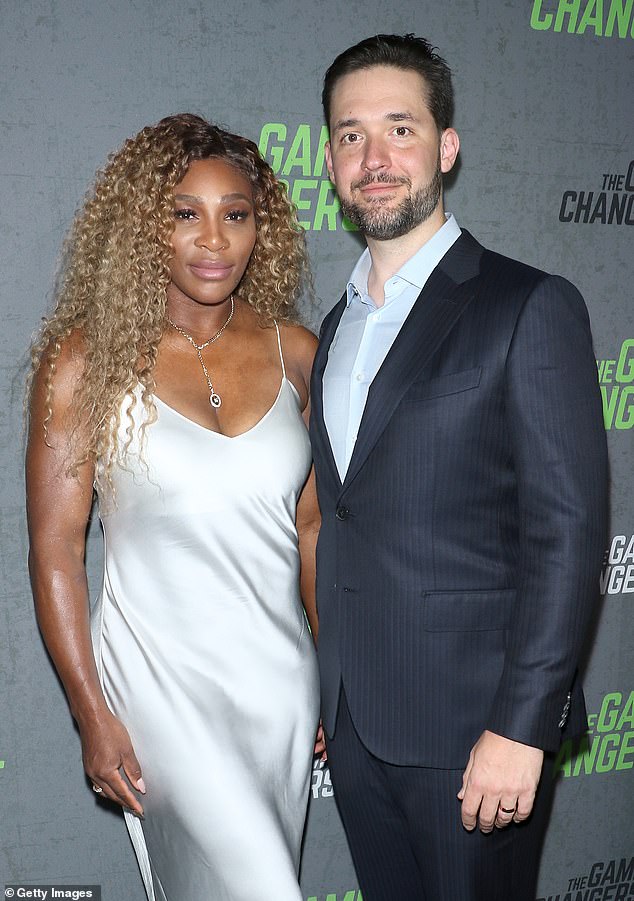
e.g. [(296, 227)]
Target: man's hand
[(499, 783)]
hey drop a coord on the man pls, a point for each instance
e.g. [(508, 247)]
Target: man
[(461, 465)]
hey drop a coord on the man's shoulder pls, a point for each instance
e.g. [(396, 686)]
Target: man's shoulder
[(508, 273), (492, 261)]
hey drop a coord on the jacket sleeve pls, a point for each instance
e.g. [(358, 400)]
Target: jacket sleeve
[(559, 452)]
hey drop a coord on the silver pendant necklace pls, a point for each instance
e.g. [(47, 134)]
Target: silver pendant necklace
[(214, 397)]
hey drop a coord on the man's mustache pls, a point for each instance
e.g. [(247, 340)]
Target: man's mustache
[(383, 178)]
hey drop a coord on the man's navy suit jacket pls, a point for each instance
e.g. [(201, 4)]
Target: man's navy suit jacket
[(458, 563)]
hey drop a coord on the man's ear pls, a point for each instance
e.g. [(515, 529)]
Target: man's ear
[(449, 147), (328, 157)]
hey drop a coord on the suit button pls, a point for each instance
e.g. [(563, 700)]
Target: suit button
[(342, 513)]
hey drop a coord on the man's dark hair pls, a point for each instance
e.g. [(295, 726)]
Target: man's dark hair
[(402, 52)]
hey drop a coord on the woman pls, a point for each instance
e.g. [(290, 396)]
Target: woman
[(172, 377)]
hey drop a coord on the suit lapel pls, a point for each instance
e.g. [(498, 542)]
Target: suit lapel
[(438, 307)]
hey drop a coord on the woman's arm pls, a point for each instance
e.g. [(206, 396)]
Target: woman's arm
[(300, 346), (308, 522), (303, 345), (58, 507)]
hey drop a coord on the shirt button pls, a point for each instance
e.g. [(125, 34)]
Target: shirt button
[(359, 376)]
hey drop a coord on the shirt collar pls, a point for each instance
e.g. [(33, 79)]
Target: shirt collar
[(416, 270)]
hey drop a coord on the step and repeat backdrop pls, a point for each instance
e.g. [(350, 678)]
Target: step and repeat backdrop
[(546, 174)]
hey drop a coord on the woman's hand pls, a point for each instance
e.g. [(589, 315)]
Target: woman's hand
[(320, 743), (106, 750)]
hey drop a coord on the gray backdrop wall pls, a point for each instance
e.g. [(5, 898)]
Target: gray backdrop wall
[(545, 114)]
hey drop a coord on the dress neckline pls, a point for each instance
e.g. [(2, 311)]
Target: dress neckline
[(252, 428)]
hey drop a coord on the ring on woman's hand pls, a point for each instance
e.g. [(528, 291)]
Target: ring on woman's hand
[(97, 789), (503, 809)]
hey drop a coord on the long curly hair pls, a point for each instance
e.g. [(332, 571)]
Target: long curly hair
[(111, 292)]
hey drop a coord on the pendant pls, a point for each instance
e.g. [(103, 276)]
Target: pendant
[(214, 400)]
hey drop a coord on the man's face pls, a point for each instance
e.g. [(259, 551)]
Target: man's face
[(385, 154)]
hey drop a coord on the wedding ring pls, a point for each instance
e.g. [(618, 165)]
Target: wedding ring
[(97, 789), (506, 810)]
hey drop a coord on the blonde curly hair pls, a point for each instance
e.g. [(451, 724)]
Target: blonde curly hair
[(111, 293)]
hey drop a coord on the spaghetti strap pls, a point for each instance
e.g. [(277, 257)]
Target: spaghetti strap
[(279, 344)]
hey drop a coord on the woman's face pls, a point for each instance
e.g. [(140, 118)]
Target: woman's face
[(214, 234)]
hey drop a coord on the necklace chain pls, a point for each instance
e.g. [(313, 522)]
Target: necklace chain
[(214, 397)]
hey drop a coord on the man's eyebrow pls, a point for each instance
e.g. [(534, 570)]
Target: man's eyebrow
[(400, 117), (345, 123), (390, 117)]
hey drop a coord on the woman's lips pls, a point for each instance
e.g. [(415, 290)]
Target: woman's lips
[(211, 271)]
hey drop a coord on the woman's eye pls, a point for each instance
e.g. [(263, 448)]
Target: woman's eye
[(185, 215), (237, 215)]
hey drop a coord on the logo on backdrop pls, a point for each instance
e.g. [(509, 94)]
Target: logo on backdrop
[(297, 158), (610, 203), (608, 745), (616, 379), (321, 786), (617, 574), (606, 880), (609, 19)]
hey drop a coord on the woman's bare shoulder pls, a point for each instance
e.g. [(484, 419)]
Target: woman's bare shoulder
[(299, 346), (61, 366), (298, 341)]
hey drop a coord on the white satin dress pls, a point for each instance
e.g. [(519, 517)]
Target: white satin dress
[(204, 652)]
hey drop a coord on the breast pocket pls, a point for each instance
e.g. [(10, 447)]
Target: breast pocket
[(443, 385)]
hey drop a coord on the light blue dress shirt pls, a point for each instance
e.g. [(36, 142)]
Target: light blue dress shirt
[(365, 335)]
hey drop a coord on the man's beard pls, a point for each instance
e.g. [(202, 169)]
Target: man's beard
[(384, 224)]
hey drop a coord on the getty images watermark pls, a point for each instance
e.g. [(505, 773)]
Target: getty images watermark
[(48, 892)]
